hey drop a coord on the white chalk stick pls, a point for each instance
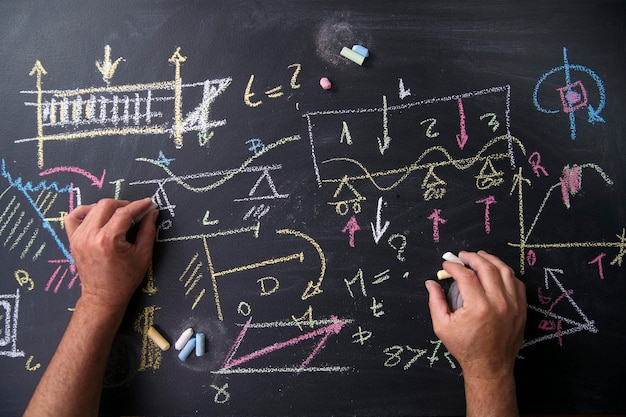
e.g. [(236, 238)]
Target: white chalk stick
[(183, 339), (449, 256), (148, 210)]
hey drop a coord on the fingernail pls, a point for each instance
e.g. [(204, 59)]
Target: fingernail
[(430, 285)]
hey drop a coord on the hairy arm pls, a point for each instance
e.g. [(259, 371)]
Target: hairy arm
[(110, 269)]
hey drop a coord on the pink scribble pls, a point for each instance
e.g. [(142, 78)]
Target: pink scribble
[(598, 260), (69, 267), (543, 299), (487, 202), (461, 138), (436, 218), (571, 183), (546, 325), (535, 161), (559, 298), (351, 228)]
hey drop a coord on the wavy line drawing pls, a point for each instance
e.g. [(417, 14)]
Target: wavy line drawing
[(460, 164), (230, 175)]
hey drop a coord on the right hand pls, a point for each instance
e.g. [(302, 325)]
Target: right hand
[(485, 334)]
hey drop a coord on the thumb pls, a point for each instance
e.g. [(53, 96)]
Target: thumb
[(437, 303)]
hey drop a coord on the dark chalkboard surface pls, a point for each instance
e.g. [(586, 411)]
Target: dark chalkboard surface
[(298, 225)]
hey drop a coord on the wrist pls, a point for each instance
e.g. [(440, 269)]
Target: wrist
[(491, 395), (95, 310)]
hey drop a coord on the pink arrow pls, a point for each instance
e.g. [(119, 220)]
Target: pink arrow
[(461, 138), (95, 181), (436, 218), (325, 332), (351, 227), (487, 201)]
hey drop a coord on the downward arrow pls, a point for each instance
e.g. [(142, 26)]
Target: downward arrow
[(106, 67), (379, 230), (385, 141)]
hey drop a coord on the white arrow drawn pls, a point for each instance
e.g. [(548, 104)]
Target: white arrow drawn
[(379, 230)]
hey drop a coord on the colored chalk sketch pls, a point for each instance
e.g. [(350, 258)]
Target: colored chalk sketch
[(25, 223), (332, 326), (573, 95), (557, 325), (347, 193), (569, 184), (133, 109)]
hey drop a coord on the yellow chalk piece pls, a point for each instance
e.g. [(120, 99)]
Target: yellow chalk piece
[(443, 274), (352, 56), (157, 338)]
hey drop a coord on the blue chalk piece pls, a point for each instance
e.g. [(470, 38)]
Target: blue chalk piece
[(186, 351), (361, 50), (200, 344)]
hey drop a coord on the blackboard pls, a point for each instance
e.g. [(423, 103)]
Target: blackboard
[(297, 224)]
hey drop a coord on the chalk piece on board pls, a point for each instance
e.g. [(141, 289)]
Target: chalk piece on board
[(325, 83), (186, 351), (200, 344), (361, 50), (449, 256), (352, 56), (158, 338), (443, 274), (183, 339)]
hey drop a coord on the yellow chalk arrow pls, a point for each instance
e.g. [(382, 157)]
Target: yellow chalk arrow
[(39, 70), (106, 66), (177, 59)]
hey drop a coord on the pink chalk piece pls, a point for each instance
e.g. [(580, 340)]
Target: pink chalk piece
[(325, 83)]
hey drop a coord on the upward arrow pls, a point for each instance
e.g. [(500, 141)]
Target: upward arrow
[(177, 59), (39, 70), (351, 227)]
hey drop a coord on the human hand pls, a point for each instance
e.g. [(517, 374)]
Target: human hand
[(110, 267), (486, 333)]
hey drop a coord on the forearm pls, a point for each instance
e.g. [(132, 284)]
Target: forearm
[(491, 397), (72, 383)]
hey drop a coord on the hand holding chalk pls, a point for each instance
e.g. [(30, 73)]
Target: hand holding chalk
[(110, 267), (486, 334), (455, 301)]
